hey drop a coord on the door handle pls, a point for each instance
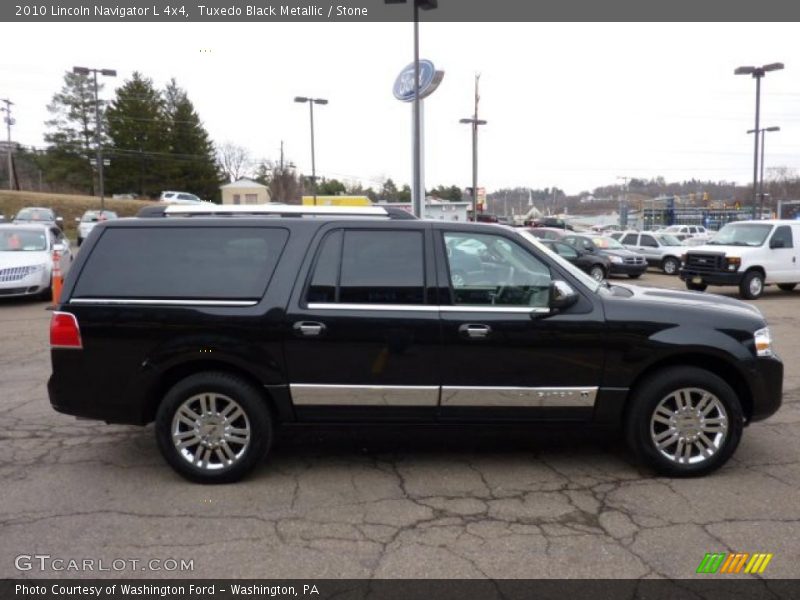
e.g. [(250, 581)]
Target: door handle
[(308, 329), (475, 331)]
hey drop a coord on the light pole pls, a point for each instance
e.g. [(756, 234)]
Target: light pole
[(623, 208), (9, 122), (757, 73), (418, 193), (763, 130), (311, 103), (98, 127)]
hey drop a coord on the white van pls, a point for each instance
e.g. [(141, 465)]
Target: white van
[(748, 254)]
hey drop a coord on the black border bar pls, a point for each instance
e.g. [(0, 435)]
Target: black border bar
[(300, 11)]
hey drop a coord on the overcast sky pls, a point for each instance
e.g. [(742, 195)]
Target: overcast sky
[(571, 105)]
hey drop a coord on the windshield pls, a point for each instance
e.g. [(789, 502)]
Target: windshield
[(563, 263), (741, 234), (607, 243), (669, 240), (91, 216), (22, 240), (35, 214)]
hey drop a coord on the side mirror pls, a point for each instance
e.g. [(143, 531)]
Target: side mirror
[(77, 220), (562, 295), (779, 243)]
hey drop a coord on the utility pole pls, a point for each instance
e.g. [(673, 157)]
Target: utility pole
[(9, 122), (475, 122)]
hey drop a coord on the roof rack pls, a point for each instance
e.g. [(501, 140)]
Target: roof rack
[(272, 210)]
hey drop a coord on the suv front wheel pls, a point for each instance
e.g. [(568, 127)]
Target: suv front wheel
[(213, 427), (684, 421)]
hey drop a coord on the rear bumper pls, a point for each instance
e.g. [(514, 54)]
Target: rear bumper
[(711, 278)]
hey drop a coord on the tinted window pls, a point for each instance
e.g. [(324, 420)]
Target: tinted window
[(326, 270), (783, 233), (629, 239), (648, 240), (191, 262), (565, 250), (490, 270), (382, 267)]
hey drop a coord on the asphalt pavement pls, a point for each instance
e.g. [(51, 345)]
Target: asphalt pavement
[(388, 502)]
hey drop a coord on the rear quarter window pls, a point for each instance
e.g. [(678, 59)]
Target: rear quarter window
[(182, 263)]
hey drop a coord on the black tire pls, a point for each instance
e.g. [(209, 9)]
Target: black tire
[(670, 265), (752, 285), (787, 287), (696, 287), (597, 272), (46, 293), (634, 275), (224, 387), (658, 388)]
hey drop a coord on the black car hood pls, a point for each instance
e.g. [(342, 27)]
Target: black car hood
[(695, 299)]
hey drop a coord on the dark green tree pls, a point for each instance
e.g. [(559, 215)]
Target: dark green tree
[(71, 135), (389, 191), (330, 187), (192, 165), (139, 135)]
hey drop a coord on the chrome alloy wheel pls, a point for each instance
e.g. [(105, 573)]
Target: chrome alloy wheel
[(756, 287), (211, 431), (689, 426)]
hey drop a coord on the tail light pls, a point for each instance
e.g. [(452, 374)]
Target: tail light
[(64, 331)]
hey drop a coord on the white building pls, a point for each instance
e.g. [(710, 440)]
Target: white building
[(244, 191)]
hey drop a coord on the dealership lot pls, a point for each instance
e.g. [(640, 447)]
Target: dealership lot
[(387, 502)]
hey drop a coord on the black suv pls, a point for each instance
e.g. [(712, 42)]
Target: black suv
[(222, 324)]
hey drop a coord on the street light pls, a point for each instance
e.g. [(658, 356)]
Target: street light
[(311, 103), (417, 198), (761, 194), (757, 73), (98, 124)]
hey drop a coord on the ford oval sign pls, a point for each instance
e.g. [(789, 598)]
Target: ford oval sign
[(429, 79)]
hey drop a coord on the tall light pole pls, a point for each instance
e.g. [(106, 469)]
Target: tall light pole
[(762, 131), (311, 103), (98, 127), (9, 122), (475, 122), (624, 203), (757, 73), (417, 191)]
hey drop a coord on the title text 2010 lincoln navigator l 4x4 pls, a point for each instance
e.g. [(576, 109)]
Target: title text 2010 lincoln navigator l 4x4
[(220, 327)]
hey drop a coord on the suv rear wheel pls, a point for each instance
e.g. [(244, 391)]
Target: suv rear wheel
[(213, 427), (684, 421), (670, 265)]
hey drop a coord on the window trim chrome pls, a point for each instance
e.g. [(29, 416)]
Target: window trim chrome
[(315, 394), (153, 302), (522, 397)]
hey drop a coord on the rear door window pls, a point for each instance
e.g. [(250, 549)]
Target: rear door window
[(369, 267), (629, 239), (182, 263)]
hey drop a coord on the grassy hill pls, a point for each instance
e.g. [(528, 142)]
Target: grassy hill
[(67, 206)]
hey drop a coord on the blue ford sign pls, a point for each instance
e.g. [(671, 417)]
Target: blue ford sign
[(429, 79)]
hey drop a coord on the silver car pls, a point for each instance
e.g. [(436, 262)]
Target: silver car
[(91, 218), (26, 259), (661, 250)]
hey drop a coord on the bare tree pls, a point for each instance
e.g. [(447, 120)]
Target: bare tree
[(234, 160)]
